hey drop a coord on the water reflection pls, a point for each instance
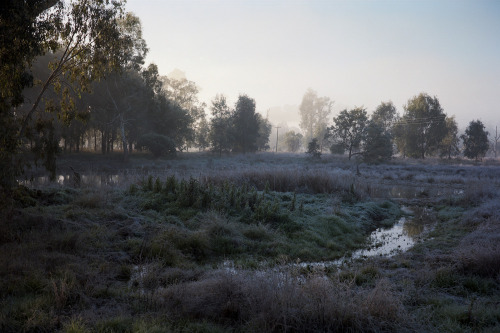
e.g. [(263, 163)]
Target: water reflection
[(94, 180), (413, 229), (388, 242)]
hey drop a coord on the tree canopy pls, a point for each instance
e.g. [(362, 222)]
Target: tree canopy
[(475, 140), (422, 128), (314, 113), (348, 130), (86, 43), (246, 125)]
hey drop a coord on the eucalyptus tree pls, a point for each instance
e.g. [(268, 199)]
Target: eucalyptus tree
[(264, 132), (377, 143), (162, 115), (475, 140), (348, 131), (449, 146), (118, 104), (422, 127), (184, 94), (245, 125), (385, 116), (220, 135), (293, 141), (85, 42), (121, 96), (314, 112)]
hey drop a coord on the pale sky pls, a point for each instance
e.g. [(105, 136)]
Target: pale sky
[(358, 52)]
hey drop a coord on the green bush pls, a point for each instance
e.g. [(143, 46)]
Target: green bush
[(157, 144)]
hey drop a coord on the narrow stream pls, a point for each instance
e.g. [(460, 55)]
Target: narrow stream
[(387, 242)]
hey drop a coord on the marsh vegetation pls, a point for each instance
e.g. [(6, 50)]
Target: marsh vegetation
[(269, 242)]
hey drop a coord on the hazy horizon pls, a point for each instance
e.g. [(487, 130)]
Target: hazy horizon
[(358, 53)]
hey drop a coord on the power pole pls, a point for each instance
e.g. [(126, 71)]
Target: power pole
[(277, 138), (496, 140)]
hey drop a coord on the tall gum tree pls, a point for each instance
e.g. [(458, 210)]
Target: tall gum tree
[(314, 112), (422, 127), (86, 43)]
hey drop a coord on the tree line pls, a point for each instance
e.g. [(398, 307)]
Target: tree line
[(423, 130), (73, 73)]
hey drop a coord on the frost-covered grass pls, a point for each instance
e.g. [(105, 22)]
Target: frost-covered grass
[(206, 244)]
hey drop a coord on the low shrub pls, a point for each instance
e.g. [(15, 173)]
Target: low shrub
[(157, 144)]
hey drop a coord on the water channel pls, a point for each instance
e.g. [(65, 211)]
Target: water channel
[(387, 242)]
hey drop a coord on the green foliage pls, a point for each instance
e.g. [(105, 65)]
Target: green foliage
[(264, 132), (158, 185), (449, 144), (313, 149), (377, 146), (221, 125), (422, 128), (94, 46), (157, 144), (348, 130), (183, 94), (246, 125), (293, 141), (475, 140), (384, 116)]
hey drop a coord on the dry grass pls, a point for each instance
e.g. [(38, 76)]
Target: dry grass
[(479, 252), (278, 301), (97, 258)]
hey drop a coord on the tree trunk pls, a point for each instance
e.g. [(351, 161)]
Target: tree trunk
[(103, 142), (124, 138), (95, 140)]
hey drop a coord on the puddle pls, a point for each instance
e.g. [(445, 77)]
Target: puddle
[(389, 241)]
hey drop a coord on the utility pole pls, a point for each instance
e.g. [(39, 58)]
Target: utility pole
[(496, 140), (277, 138)]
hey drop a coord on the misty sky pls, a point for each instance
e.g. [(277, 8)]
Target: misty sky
[(358, 53)]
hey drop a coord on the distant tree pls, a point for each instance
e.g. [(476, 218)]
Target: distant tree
[(494, 143), (118, 104), (378, 140), (398, 136), (449, 144), (422, 128), (377, 144), (313, 148), (314, 112), (246, 125), (221, 133), (265, 129), (475, 140), (348, 131), (162, 115), (293, 141), (202, 134), (184, 94), (385, 116)]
